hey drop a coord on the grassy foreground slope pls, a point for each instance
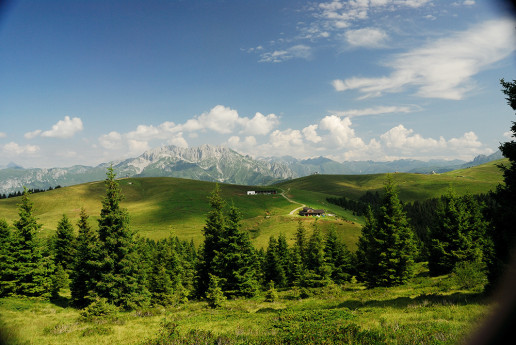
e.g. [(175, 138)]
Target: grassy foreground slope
[(428, 310)]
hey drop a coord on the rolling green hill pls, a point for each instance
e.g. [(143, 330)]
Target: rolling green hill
[(474, 180), (162, 206)]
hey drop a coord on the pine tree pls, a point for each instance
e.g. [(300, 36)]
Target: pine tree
[(458, 234), (271, 295), (7, 277), (64, 244), (273, 269), (386, 248), (235, 258), (84, 274), (283, 253), (120, 279), (59, 279), (213, 230), (161, 285), (214, 294), (504, 218), (301, 242), (337, 256), (296, 267), (318, 272), (32, 272)]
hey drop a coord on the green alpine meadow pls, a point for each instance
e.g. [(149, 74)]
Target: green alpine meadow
[(177, 261), (394, 258)]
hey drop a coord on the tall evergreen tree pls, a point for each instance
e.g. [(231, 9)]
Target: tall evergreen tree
[(213, 230), (164, 276), (84, 275), (32, 272), (458, 234), (301, 241), (337, 256), (273, 269), (318, 271), (64, 244), (386, 247), (7, 277), (283, 256), (234, 261), (504, 217), (120, 280)]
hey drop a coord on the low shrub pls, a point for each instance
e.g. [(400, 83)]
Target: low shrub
[(99, 309)]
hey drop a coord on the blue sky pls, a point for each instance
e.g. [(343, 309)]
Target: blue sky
[(85, 82)]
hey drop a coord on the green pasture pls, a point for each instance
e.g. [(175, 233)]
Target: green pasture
[(411, 187), (427, 310), (164, 206)]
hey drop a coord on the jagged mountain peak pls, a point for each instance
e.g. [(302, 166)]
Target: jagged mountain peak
[(213, 163)]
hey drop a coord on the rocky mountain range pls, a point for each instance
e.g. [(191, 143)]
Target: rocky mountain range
[(215, 163)]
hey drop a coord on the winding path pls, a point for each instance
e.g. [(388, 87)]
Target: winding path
[(292, 202)]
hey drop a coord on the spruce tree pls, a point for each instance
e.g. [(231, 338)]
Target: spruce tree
[(64, 244), (32, 273), (301, 241), (213, 230), (234, 261), (337, 256), (318, 272), (214, 294), (273, 269), (458, 234), (161, 285), (120, 279), (296, 267), (504, 234), (386, 247), (84, 275), (283, 257), (7, 277)]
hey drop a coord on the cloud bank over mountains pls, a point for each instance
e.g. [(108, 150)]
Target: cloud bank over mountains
[(333, 136)]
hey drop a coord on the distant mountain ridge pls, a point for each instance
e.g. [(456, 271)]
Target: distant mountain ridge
[(216, 164)]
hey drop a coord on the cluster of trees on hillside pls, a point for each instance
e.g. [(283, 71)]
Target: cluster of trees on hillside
[(423, 215), (113, 265), (32, 191)]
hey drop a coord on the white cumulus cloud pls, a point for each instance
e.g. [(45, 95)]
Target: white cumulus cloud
[(310, 133), (111, 141), (64, 128), (259, 124), (13, 148), (220, 119), (405, 140), (33, 134)]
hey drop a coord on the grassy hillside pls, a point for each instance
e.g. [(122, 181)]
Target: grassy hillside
[(162, 206), (159, 207), (479, 179), (427, 310)]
